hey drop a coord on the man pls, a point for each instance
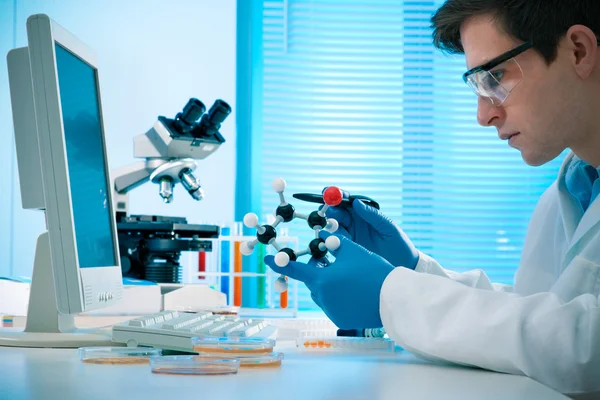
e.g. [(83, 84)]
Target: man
[(535, 66)]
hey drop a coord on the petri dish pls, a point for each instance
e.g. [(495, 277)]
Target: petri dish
[(232, 346), (261, 360), (224, 310), (194, 365), (117, 355), (346, 343), (218, 310)]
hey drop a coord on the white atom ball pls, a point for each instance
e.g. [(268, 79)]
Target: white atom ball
[(246, 249), (280, 285), (279, 185), (332, 243), (332, 225), (250, 220), (282, 259)]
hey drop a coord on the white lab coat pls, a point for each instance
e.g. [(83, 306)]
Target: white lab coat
[(546, 327)]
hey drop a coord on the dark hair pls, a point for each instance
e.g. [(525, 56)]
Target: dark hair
[(541, 22)]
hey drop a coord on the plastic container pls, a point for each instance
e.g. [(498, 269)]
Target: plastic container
[(232, 346), (346, 343), (117, 355), (194, 365), (295, 328)]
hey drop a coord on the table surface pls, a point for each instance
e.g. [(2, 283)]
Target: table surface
[(304, 374)]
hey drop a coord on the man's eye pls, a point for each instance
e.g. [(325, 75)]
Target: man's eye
[(498, 74), (492, 79)]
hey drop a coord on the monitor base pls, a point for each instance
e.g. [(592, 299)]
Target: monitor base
[(45, 326)]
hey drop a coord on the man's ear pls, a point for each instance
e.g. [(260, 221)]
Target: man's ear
[(582, 45)]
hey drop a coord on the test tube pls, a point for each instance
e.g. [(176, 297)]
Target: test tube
[(283, 297), (225, 261), (237, 268), (261, 280), (201, 264)]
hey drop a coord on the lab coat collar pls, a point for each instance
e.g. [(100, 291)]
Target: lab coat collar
[(588, 221), (576, 223)]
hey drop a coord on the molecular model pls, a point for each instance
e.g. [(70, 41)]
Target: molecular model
[(285, 212)]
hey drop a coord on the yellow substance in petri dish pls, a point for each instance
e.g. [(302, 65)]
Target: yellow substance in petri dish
[(269, 364), (199, 370), (232, 352), (117, 360)]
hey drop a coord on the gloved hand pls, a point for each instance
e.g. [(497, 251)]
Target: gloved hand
[(374, 231), (348, 289)]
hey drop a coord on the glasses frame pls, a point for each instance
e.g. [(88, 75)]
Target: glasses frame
[(488, 66), (494, 62)]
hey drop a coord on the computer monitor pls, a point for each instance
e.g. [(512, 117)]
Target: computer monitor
[(61, 152)]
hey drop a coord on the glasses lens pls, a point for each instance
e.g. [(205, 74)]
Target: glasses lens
[(497, 83)]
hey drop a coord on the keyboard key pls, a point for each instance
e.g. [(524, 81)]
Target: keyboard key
[(214, 329), (142, 321), (247, 330), (184, 320), (234, 327), (197, 327), (168, 315)]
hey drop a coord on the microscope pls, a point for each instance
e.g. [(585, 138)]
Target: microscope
[(151, 245)]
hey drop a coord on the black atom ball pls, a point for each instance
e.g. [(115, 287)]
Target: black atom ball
[(286, 212), (315, 219), (291, 253), (268, 235), (315, 251)]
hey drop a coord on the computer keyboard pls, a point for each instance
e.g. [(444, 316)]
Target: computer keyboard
[(172, 330)]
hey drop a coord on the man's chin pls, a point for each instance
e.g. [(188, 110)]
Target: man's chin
[(534, 160)]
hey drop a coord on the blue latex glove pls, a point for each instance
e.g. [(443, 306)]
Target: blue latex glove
[(374, 231), (348, 289)]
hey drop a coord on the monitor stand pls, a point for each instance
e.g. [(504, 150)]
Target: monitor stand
[(45, 326)]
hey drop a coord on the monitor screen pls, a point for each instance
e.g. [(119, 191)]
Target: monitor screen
[(86, 163)]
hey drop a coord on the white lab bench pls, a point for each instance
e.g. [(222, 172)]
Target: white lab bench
[(48, 374)]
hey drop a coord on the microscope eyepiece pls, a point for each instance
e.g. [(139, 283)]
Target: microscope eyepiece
[(186, 120), (218, 112), (211, 121)]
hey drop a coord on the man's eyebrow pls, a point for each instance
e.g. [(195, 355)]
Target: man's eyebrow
[(502, 57), (485, 61)]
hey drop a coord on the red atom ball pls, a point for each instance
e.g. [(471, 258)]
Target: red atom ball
[(332, 196)]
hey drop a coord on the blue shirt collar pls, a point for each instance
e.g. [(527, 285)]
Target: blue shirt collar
[(581, 180)]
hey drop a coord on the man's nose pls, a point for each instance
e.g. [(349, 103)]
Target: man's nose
[(488, 114)]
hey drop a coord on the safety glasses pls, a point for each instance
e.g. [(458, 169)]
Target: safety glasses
[(498, 77)]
